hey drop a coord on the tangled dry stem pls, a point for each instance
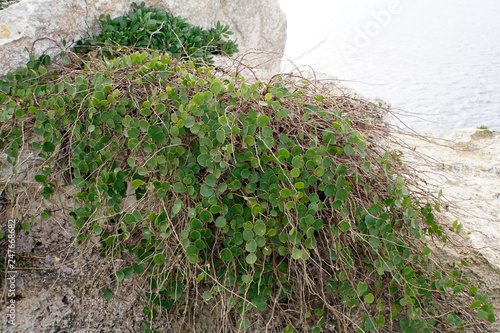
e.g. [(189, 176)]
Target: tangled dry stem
[(367, 118)]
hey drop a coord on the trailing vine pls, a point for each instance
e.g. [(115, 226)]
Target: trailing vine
[(262, 198)]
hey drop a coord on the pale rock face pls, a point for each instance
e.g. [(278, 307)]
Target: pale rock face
[(41, 25)]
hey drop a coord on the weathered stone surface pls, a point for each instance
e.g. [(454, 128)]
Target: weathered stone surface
[(464, 164), (41, 25)]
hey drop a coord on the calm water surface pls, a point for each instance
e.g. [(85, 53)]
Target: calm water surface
[(437, 59)]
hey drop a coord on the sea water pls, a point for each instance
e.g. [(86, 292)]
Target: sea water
[(438, 61)]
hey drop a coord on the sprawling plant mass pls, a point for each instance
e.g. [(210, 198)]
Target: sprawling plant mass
[(262, 198)]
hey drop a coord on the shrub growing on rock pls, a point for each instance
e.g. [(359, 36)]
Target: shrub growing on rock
[(277, 204), (155, 29)]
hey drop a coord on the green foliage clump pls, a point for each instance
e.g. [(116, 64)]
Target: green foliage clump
[(261, 198), (156, 29)]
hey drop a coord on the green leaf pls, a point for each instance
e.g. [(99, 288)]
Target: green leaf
[(319, 171), (380, 321), (299, 185), (26, 226), (285, 193), (374, 242), (206, 216), (348, 150), (262, 120), (196, 224), (298, 162), (342, 194), (220, 222), (362, 287), (295, 173), (198, 99), (136, 183), (215, 87), (97, 229), (249, 140), (251, 246), (475, 304), (341, 169), (211, 181), (369, 324), (296, 254), (159, 138), (108, 295), (243, 324), (40, 178), (330, 190), (127, 272), (251, 258), (119, 275), (226, 255), (174, 131), (207, 295), (138, 268), (159, 258), (48, 147), (344, 226), (203, 159), (206, 191), (369, 298), (260, 302), (193, 259), (283, 152), (133, 144)]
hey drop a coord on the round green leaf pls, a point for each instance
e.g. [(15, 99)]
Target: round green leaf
[(119, 275), (138, 268), (207, 295), (298, 162), (249, 140), (251, 246), (348, 150), (344, 226), (285, 193), (226, 255), (369, 324), (206, 216), (193, 259), (215, 87), (342, 194), (159, 258), (159, 137), (297, 254), (220, 222), (48, 147), (295, 172), (243, 324), (251, 258), (206, 191), (260, 302), (262, 120), (211, 181)]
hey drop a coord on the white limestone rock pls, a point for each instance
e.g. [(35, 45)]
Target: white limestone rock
[(41, 25)]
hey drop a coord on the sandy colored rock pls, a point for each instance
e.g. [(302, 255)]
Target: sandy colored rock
[(465, 165), (41, 25), (467, 170)]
